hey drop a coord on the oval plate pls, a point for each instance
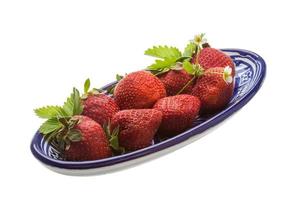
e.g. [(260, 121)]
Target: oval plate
[(250, 73)]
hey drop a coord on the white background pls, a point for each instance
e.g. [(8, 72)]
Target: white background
[(47, 47)]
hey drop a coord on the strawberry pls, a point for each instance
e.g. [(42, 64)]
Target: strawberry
[(209, 58), (178, 113), (98, 107), (214, 88), (137, 127), (175, 80), (93, 145), (139, 89), (77, 137)]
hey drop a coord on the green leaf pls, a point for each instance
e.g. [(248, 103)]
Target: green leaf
[(68, 106), (50, 126), (162, 64), (114, 142), (48, 112), (74, 135), (189, 67), (86, 86), (189, 49), (78, 108), (164, 52), (119, 77), (113, 138), (110, 90), (106, 127), (73, 105)]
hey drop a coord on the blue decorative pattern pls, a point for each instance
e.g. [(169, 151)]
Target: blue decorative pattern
[(250, 73)]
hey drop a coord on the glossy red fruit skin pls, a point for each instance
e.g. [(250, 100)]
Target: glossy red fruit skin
[(138, 90), (175, 80), (100, 108), (212, 90), (210, 58), (94, 144), (137, 127), (178, 113)]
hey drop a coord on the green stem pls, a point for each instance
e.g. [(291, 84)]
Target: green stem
[(186, 85), (196, 51), (183, 58)]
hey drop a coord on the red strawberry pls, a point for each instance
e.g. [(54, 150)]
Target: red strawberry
[(99, 107), (178, 113), (137, 127), (175, 80), (93, 144), (209, 58), (78, 137), (138, 90), (214, 89)]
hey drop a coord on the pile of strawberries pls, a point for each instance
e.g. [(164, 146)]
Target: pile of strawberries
[(161, 101)]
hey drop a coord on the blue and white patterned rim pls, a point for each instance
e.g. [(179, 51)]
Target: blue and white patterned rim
[(250, 74)]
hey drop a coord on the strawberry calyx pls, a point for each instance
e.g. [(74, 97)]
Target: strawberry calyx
[(205, 45), (61, 121), (112, 136), (67, 134), (88, 91), (193, 69), (118, 77)]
